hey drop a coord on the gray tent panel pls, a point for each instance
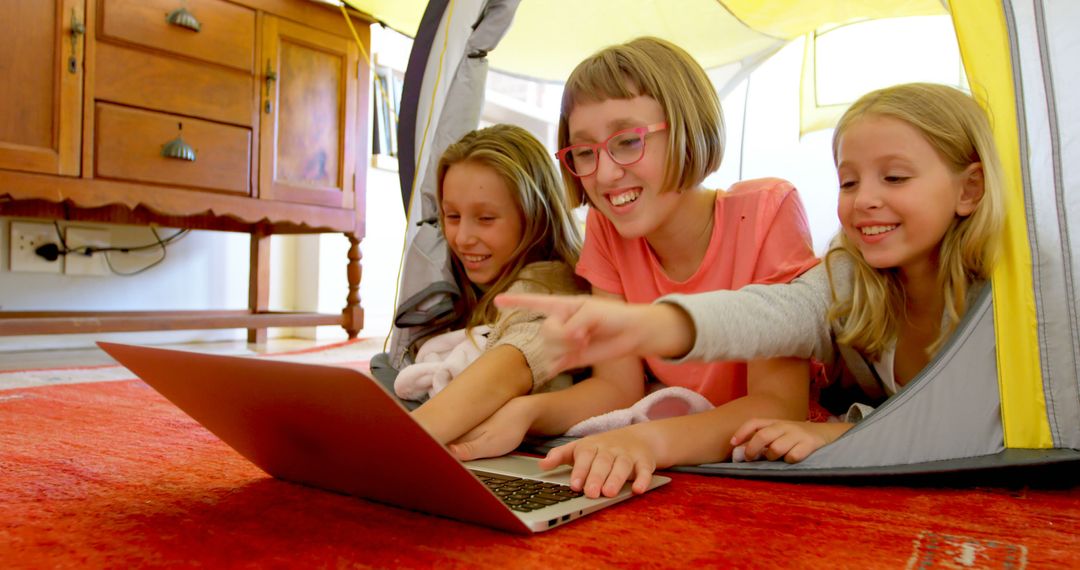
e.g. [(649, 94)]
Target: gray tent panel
[(951, 410), (428, 292), (410, 96), (1042, 39)]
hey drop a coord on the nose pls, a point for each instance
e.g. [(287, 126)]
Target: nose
[(464, 233), (868, 196), (607, 170)]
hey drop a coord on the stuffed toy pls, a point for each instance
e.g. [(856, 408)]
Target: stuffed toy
[(664, 403), (438, 361)]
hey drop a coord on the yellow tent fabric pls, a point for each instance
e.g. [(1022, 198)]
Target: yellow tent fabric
[(549, 37), (984, 45)]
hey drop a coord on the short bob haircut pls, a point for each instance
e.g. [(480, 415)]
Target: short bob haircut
[(659, 69)]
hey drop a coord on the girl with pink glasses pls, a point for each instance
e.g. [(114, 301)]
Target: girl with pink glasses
[(641, 127)]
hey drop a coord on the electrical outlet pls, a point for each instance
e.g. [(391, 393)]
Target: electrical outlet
[(77, 262), (25, 238)]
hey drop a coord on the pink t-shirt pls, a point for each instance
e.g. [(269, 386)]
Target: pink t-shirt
[(760, 235)]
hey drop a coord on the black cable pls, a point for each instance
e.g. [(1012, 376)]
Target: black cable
[(161, 243), (51, 251)]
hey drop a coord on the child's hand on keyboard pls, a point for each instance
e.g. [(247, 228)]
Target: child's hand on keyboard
[(604, 462)]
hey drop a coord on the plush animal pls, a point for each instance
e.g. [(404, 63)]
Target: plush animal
[(438, 361), (664, 403)]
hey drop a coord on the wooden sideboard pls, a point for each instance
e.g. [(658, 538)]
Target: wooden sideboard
[(261, 103)]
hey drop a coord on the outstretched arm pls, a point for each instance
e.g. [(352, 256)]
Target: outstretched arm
[(767, 321), (757, 321), (584, 330)]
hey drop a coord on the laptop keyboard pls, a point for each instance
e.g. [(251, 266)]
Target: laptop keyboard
[(525, 495)]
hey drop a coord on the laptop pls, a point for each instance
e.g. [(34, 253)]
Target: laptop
[(338, 429)]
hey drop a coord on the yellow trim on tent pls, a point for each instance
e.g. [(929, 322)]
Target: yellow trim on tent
[(984, 47)]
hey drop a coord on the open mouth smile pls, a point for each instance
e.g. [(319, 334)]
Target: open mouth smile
[(877, 230), (624, 198)]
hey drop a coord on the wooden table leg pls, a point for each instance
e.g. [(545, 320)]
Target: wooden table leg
[(353, 314), (259, 282)]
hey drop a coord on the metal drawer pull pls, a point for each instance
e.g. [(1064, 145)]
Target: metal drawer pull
[(177, 148), (181, 17)]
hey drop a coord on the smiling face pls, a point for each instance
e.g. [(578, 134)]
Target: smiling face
[(897, 196), (481, 219), (632, 197)]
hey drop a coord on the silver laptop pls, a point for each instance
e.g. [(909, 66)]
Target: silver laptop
[(338, 429)]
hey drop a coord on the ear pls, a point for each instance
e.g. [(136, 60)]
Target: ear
[(971, 191)]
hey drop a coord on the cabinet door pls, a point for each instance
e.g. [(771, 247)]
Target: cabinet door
[(308, 130), (41, 58)]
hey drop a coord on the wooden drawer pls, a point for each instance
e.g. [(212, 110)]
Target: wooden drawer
[(128, 145), (152, 81), (226, 35)]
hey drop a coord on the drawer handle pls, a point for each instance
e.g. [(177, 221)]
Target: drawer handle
[(178, 149), (181, 17)]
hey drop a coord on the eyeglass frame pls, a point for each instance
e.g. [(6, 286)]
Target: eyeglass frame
[(642, 132)]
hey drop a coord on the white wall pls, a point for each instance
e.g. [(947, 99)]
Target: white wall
[(205, 270)]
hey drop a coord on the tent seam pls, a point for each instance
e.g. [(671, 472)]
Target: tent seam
[(1035, 245), (1059, 185), (748, 26)]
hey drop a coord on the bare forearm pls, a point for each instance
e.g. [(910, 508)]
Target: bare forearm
[(486, 385), (712, 430), (777, 388)]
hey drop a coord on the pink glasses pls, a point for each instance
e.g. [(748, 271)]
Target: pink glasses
[(624, 147)]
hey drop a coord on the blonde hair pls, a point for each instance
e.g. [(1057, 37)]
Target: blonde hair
[(548, 229), (958, 129), (661, 70)]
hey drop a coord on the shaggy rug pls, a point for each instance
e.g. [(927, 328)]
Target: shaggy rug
[(110, 474)]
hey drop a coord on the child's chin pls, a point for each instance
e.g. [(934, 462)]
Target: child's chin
[(878, 261), (480, 279)]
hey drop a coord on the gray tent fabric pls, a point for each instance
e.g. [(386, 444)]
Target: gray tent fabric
[(1044, 35), (410, 96), (428, 293), (920, 423)]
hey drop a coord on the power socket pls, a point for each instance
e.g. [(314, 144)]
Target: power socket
[(27, 237), (77, 263)]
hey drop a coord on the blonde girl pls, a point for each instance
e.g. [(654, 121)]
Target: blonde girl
[(508, 225)]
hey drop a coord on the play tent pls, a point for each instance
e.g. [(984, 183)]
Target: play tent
[(1004, 390)]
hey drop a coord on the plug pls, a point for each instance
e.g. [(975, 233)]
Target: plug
[(49, 251)]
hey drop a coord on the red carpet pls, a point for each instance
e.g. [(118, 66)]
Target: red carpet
[(110, 474)]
